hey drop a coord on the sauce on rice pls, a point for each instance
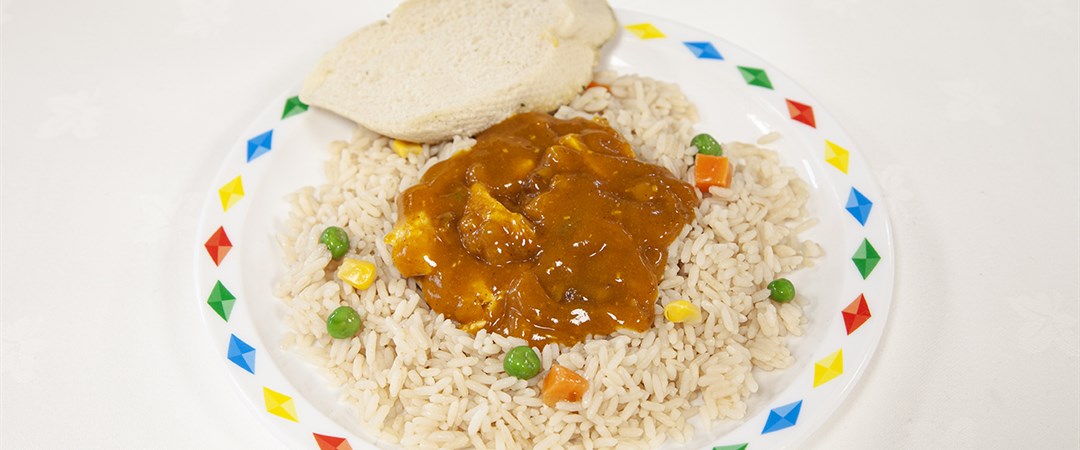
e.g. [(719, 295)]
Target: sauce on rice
[(549, 230)]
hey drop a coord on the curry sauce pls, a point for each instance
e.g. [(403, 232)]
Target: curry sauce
[(549, 230)]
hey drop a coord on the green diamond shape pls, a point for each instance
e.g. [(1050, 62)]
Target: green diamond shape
[(866, 258), (755, 76), (293, 106), (731, 447), (221, 300)]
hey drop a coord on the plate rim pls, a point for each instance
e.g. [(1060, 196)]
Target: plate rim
[(886, 247)]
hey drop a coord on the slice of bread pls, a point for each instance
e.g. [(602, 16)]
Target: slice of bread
[(440, 68)]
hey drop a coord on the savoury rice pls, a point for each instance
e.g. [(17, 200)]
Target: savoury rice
[(417, 380)]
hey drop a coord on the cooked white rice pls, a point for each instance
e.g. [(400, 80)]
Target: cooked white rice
[(417, 380)]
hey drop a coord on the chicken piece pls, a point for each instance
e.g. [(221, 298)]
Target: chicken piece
[(484, 302), (595, 141), (493, 233), (412, 241)]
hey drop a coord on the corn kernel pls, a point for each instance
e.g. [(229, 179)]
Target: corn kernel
[(405, 148), (358, 273), (681, 311)]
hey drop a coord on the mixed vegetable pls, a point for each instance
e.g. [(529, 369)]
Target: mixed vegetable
[(358, 273), (406, 148), (522, 362), (593, 84), (562, 385), (343, 323), (781, 290), (711, 171), (336, 240), (680, 311), (706, 145), (711, 168)]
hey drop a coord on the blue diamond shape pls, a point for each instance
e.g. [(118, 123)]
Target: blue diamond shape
[(858, 205), (241, 354), (259, 145), (703, 50), (782, 417)]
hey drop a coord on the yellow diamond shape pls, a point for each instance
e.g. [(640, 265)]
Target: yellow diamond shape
[(231, 193), (836, 155), (828, 368), (279, 404), (645, 31)]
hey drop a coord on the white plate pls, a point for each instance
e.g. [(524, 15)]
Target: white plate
[(738, 96)]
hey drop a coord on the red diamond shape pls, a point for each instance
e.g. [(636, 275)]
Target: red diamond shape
[(331, 443), (218, 246), (856, 314), (802, 113)]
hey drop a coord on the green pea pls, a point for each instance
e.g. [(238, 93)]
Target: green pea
[(343, 323), (706, 145), (522, 362), (781, 290), (336, 240)]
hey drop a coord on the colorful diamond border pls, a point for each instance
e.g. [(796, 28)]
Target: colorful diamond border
[(827, 367), (831, 366), (222, 302)]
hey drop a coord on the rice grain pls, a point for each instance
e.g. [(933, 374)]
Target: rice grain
[(416, 379)]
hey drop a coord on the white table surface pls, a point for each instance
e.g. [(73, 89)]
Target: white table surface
[(115, 114)]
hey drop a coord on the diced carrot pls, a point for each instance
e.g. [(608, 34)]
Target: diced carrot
[(563, 385), (711, 171), (593, 84)]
